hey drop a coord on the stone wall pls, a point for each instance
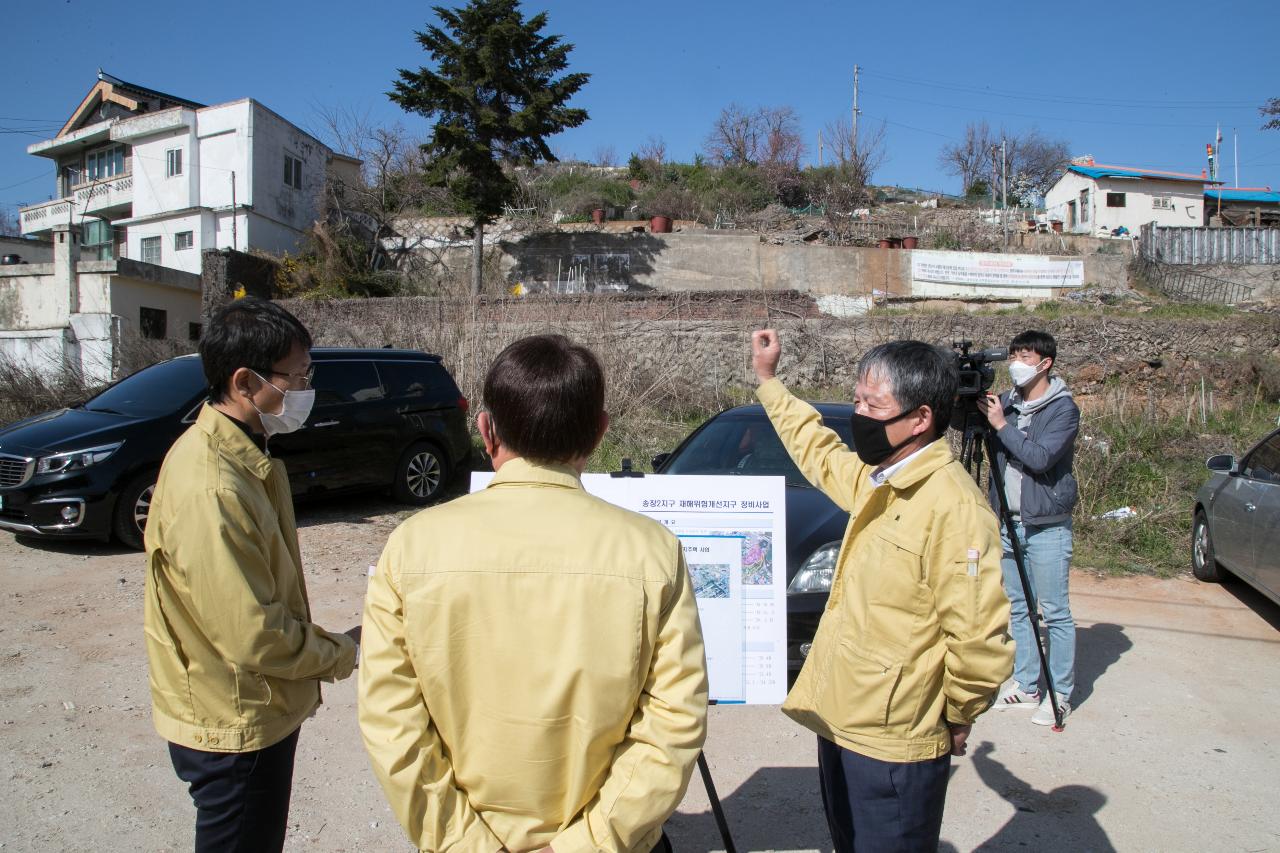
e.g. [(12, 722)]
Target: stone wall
[(725, 260)]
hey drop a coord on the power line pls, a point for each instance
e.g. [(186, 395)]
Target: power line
[(1039, 117), (27, 181), (1064, 99)]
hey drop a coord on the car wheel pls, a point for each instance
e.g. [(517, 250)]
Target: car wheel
[(1203, 564), (421, 474), (132, 508)]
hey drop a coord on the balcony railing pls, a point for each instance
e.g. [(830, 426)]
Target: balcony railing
[(93, 198)]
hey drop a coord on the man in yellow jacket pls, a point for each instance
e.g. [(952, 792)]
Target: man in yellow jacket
[(533, 673), (235, 660), (913, 643)]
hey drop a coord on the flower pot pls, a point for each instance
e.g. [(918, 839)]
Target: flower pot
[(895, 242), (884, 243), (597, 216), (660, 224), (1056, 225), (910, 242)]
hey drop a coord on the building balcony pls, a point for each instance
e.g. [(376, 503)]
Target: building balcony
[(110, 198)]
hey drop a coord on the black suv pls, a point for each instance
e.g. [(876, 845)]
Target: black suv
[(382, 418)]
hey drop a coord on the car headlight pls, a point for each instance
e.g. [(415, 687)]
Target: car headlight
[(75, 460), (816, 572)]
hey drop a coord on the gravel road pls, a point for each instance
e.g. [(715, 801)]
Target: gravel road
[(1172, 746)]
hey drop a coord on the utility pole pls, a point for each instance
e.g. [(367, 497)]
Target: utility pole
[(235, 244), (854, 152), (1235, 143), (1004, 189), (819, 149)]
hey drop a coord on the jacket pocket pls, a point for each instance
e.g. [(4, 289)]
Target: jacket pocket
[(859, 694), (253, 695)]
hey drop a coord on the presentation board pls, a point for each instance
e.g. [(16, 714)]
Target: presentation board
[(733, 531)]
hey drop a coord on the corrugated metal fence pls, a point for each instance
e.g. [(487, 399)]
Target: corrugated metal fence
[(1186, 245)]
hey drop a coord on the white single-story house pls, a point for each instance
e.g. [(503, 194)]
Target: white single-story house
[(1093, 198)]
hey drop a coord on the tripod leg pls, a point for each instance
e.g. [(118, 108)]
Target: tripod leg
[(1032, 605), (716, 808)]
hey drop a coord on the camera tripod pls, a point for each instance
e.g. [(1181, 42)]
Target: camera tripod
[(977, 438)]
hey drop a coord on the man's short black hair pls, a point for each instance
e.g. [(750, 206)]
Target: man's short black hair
[(918, 374), (249, 332), (1040, 343), (545, 395)]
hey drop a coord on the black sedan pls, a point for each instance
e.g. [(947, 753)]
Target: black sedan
[(741, 441), (1236, 519)]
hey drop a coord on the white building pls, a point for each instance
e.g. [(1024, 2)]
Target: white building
[(1092, 198), (145, 182), (158, 179)]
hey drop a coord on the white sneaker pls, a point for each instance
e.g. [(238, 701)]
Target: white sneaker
[(1013, 696), (1044, 714)]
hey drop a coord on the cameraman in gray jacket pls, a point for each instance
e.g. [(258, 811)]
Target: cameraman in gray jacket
[(1035, 428)]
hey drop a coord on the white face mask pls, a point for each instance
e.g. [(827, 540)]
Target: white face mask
[(1022, 374), (293, 412)]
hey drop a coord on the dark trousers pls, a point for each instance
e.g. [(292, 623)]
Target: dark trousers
[(242, 798), (882, 806)]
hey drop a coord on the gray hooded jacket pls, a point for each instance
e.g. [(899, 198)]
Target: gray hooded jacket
[(1038, 441)]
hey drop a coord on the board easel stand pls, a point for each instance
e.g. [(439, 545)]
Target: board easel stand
[(703, 768)]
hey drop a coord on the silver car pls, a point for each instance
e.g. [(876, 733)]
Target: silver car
[(1237, 519)]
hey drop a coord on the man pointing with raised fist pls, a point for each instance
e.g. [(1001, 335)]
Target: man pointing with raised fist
[(913, 643)]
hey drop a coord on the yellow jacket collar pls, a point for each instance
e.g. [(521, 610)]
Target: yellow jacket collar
[(233, 441), (931, 458), (528, 472)]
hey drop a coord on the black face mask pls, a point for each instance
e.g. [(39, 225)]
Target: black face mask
[(871, 439)]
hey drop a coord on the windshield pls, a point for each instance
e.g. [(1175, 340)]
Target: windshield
[(160, 389), (744, 446)]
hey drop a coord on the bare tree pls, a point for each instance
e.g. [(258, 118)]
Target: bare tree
[(653, 151), (858, 159), (1035, 162), (605, 155), (764, 136), (1271, 111), (970, 158), (392, 184), (1032, 161), (9, 225)]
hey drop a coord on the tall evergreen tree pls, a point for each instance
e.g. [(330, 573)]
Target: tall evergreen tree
[(495, 97)]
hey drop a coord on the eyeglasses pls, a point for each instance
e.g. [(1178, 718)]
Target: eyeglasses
[(303, 378)]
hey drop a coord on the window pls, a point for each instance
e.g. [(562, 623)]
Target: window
[(1115, 199), (175, 162), (1264, 463), (1162, 202), (98, 239), (193, 331), (151, 250), (104, 163), (292, 172), (412, 379), (1084, 205), (345, 382), (151, 322), (183, 240)]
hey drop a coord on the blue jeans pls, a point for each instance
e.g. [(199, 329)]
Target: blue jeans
[(1046, 554)]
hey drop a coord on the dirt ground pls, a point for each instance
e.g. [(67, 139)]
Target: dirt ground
[(1173, 745)]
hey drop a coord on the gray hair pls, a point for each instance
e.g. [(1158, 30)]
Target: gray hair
[(918, 374)]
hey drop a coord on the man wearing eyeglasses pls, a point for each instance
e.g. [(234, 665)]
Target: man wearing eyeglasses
[(235, 660)]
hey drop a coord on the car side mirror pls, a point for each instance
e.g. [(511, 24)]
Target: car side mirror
[(659, 460), (1224, 462)]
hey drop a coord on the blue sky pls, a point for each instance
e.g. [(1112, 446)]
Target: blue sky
[(1141, 85)]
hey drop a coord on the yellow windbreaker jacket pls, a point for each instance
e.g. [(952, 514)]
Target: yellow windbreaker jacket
[(532, 670), (236, 662), (915, 633)]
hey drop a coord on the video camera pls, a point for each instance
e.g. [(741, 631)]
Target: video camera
[(976, 372), (976, 377)]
